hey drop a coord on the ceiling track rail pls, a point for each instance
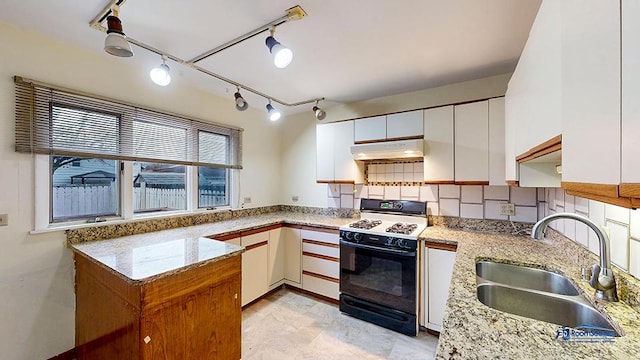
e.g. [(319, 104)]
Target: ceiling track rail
[(294, 13)]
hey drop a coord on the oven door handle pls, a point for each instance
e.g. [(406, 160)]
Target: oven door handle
[(375, 248)]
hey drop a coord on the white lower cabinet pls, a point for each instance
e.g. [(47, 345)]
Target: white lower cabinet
[(438, 272), (292, 255), (255, 264), (276, 257), (321, 262)]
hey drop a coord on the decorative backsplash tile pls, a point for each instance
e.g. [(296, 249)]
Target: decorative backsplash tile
[(395, 173)]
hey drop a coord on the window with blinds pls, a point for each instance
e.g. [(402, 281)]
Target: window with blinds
[(56, 121)]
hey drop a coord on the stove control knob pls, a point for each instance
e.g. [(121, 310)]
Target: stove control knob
[(391, 241), (348, 235), (357, 237), (402, 243)]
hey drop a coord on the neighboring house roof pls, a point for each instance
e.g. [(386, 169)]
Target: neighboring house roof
[(94, 175), (160, 178)]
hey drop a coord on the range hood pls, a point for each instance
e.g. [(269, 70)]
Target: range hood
[(389, 150)]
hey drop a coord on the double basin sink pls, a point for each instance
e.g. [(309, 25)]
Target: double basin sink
[(537, 294)]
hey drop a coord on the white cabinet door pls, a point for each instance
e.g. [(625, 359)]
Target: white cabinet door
[(325, 145), (370, 129), (255, 266), (438, 139), (292, 254), (406, 124), (472, 142), (630, 91), (591, 91), (439, 272), (276, 256), (345, 168), (496, 142)]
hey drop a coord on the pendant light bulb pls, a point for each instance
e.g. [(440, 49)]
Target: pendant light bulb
[(282, 56), (116, 42), (274, 114), (161, 74), (241, 103)]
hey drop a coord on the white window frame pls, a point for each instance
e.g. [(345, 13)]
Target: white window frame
[(42, 191)]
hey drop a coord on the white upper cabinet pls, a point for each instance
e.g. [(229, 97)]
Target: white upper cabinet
[(591, 91), (472, 142), (438, 144), (371, 129), (334, 161), (404, 125), (324, 152), (496, 142), (533, 101), (630, 91)]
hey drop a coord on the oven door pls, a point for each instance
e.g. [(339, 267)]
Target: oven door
[(383, 276)]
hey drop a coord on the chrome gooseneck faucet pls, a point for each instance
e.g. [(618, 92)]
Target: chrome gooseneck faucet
[(601, 275)]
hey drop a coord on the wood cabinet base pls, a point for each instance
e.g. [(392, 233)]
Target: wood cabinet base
[(624, 195), (193, 314)]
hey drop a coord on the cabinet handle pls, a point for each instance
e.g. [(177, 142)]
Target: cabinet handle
[(235, 296)]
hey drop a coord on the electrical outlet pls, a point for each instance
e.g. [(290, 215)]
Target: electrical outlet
[(4, 219), (295, 198), (507, 209), (247, 200)]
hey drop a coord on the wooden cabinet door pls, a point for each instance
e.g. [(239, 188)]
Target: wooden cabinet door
[(370, 129), (472, 142), (406, 124), (591, 91), (325, 153), (497, 174), (276, 256), (203, 325), (438, 144), (439, 272), (293, 254), (255, 266)]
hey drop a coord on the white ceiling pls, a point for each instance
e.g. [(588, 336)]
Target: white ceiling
[(344, 51)]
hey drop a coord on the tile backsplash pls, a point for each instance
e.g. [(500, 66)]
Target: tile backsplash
[(465, 201)]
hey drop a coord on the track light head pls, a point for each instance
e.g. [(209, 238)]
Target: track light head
[(241, 103), (116, 42), (161, 74), (320, 114), (282, 55), (274, 114)]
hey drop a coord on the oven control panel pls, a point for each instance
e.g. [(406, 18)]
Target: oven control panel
[(382, 241)]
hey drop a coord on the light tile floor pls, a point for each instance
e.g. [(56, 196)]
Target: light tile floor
[(290, 325)]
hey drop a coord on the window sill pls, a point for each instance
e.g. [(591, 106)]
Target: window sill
[(115, 221)]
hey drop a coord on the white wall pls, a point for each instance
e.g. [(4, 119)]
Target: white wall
[(299, 131), (36, 271)]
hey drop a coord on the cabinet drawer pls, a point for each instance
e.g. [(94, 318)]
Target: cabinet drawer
[(254, 239), (327, 237), (318, 285), (314, 247), (320, 266)]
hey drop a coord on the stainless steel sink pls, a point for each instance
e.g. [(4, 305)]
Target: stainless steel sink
[(525, 277), (536, 294)]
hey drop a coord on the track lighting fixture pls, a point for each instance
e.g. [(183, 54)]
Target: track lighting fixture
[(320, 114), (116, 41), (160, 75), (274, 114), (241, 103), (282, 55)]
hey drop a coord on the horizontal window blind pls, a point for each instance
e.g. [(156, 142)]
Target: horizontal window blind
[(58, 121)]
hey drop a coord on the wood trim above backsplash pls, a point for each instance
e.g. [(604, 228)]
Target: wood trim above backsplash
[(552, 145)]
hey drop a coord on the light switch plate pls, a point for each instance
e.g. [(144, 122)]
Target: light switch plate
[(507, 209), (4, 219)]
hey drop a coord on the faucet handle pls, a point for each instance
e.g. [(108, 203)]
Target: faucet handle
[(595, 273)]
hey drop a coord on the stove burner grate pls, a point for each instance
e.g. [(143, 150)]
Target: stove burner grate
[(402, 228), (365, 224)]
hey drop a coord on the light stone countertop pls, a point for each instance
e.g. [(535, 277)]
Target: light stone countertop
[(472, 330), (145, 257)]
